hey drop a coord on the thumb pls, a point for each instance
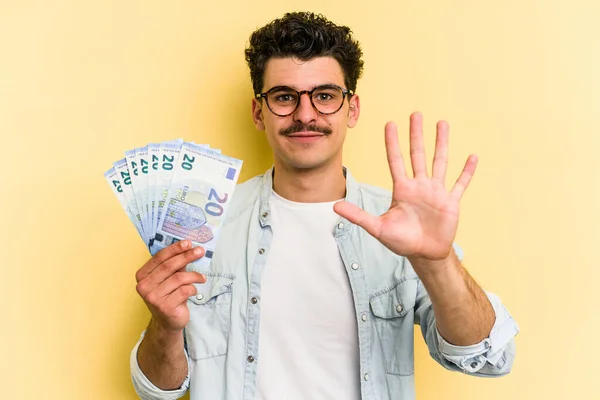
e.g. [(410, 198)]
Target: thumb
[(358, 216)]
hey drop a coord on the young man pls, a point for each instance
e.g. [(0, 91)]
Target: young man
[(307, 296)]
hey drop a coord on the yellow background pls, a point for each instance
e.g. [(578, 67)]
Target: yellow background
[(83, 81)]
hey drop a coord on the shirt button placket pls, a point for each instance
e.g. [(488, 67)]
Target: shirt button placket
[(254, 300)]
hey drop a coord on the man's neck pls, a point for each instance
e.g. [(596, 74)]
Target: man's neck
[(310, 185)]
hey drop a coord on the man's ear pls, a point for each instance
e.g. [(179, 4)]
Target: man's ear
[(353, 110), (257, 116)]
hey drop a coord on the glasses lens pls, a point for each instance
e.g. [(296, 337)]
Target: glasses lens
[(282, 101), (327, 99)]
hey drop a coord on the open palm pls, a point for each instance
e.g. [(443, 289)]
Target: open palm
[(423, 216)]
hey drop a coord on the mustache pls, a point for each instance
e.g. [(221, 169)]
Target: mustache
[(300, 127)]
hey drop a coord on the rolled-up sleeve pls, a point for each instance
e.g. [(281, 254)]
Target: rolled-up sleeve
[(493, 356), (145, 389)]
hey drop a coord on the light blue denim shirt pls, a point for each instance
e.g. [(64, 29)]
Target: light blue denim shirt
[(222, 337)]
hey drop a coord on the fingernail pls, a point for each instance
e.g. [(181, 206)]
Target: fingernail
[(198, 251), (203, 277), (185, 244)]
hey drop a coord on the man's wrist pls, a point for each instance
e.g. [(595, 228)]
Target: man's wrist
[(166, 338), (435, 270)]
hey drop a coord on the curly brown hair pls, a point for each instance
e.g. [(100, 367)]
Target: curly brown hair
[(304, 35)]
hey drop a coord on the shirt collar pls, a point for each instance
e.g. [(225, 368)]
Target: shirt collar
[(343, 225)]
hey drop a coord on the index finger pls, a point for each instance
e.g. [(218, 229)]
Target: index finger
[(162, 256), (394, 155)]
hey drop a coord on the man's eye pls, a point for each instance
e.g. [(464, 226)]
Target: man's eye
[(284, 97), (324, 97)]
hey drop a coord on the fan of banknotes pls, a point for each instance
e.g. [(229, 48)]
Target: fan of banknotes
[(175, 190)]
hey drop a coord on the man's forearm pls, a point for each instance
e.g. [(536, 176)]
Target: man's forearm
[(161, 357), (463, 313)]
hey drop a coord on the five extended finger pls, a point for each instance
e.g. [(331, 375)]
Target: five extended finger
[(417, 148), (465, 177), (440, 158), (394, 155), (359, 217)]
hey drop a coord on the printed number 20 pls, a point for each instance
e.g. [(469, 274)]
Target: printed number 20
[(187, 162), (117, 185), (212, 208)]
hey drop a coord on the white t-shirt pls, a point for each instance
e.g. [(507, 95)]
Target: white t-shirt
[(308, 329)]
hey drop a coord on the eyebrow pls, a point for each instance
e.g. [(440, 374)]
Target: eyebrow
[(312, 88)]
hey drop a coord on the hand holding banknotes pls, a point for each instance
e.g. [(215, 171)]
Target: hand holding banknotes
[(176, 194), (165, 286)]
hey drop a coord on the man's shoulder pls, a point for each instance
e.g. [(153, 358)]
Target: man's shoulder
[(250, 185)]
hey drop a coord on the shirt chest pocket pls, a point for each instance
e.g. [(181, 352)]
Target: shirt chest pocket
[(393, 312), (207, 333)]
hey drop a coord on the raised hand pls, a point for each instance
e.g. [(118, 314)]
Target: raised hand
[(422, 220)]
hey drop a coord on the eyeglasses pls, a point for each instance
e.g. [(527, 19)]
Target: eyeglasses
[(326, 99)]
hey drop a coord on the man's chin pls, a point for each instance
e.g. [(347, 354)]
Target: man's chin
[(305, 164)]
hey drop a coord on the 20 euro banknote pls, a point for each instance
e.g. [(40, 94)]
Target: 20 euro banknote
[(198, 198)]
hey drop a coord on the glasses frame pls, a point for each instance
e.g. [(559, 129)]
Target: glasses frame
[(345, 92)]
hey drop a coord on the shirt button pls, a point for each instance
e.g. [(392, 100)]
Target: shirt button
[(399, 308), (366, 377), (363, 317), (474, 364), (200, 296), (265, 214), (354, 266), (250, 359), (487, 345), (261, 251), (254, 300), (341, 225)]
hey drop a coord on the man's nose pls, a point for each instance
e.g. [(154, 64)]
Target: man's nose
[(305, 113)]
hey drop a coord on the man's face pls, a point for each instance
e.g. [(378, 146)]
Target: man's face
[(305, 139)]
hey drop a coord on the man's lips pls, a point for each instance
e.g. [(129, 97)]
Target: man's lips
[(305, 137), (306, 134)]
